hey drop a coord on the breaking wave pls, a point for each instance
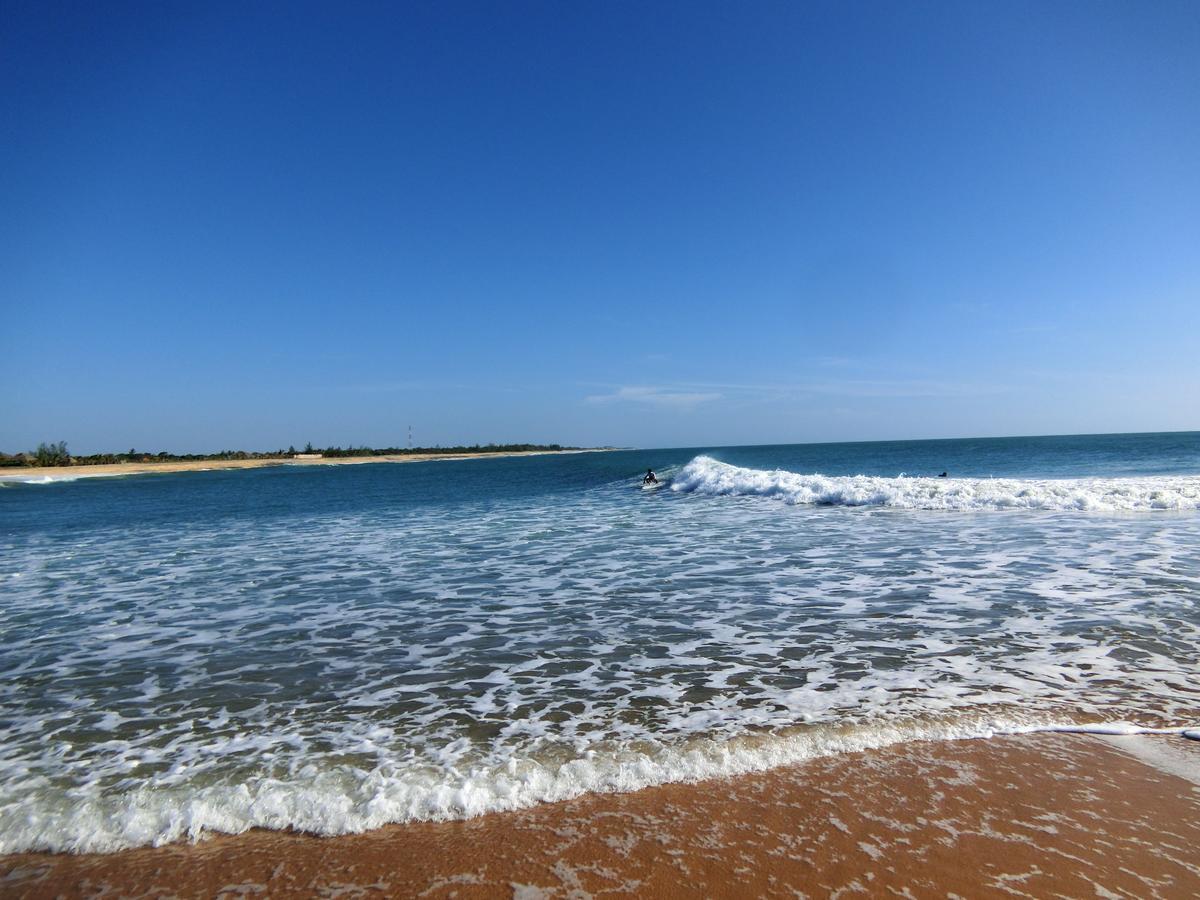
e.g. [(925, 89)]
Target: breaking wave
[(705, 475), (350, 800), (10, 478)]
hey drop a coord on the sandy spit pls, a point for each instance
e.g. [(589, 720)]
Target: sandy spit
[(202, 465)]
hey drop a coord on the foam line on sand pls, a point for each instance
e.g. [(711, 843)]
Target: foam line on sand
[(1041, 815)]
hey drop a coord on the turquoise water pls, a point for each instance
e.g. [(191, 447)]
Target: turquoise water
[(333, 648)]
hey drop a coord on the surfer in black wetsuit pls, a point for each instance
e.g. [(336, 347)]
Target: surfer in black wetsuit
[(943, 475), (649, 479)]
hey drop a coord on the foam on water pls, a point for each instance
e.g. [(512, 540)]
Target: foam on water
[(704, 475), (225, 656), (20, 477), (348, 799)]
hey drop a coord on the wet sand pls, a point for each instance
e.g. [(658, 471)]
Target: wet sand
[(201, 465), (1030, 816)]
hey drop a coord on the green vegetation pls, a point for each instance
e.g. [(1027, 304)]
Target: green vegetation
[(57, 454), (52, 454)]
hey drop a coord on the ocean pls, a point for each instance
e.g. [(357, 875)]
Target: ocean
[(334, 648)]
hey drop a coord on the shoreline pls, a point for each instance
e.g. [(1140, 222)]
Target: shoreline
[(1070, 814), (36, 473)]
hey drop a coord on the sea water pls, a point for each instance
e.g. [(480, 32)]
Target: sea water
[(335, 648)]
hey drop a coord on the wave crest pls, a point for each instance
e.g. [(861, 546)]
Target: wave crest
[(351, 800), (705, 475)]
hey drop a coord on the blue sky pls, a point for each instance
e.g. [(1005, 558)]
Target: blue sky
[(250, 225)]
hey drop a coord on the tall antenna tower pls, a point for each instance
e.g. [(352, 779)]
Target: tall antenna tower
[(409, 437)]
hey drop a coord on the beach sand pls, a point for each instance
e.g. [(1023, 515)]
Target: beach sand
[(201, 465), (1029, 816)]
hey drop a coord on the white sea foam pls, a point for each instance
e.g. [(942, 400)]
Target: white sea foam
[(27, 478), (332, 671), (347, 799), (704, 475)]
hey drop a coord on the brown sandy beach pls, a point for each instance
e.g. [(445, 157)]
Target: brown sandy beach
[(1029, 816), (200, 465)]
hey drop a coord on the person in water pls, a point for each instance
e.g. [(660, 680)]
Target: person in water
[(943, 475), (649, 479)]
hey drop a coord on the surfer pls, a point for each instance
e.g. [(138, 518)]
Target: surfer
[(943, 475), (649, 479)]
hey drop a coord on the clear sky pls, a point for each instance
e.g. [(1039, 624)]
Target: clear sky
[(254, 225)]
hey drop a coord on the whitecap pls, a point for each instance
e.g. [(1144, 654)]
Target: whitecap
[(705, 475)]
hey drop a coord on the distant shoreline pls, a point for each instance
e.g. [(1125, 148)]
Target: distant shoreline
[(37, 473)]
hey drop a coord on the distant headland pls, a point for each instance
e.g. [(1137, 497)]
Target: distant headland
[(55, 459)]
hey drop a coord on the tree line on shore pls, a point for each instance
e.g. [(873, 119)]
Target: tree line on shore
[(57, 454)]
